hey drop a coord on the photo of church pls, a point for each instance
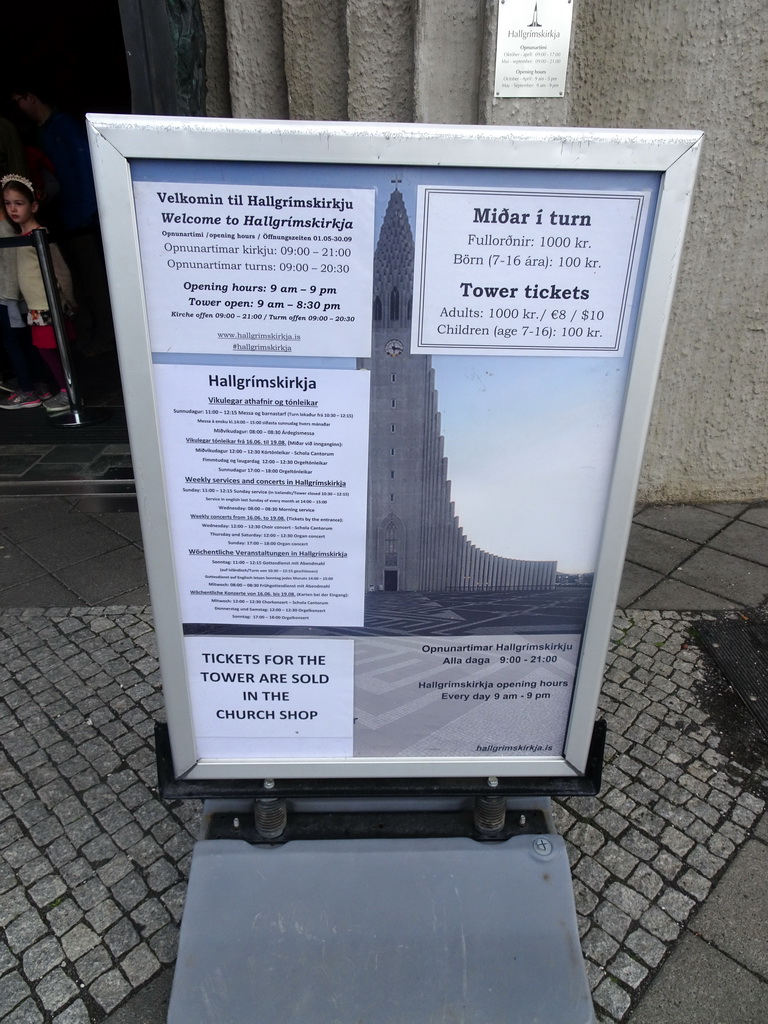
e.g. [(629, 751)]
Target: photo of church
[(415, 541)]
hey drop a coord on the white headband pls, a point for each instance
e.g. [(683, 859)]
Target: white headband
[(9, 178)]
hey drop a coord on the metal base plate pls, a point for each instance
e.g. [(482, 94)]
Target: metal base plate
[(381, 931)]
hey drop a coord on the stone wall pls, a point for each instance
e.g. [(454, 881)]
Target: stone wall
[(633, 65)]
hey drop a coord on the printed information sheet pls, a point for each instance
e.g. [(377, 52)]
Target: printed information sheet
[(272, 697), (532, 44), (270, 270), (266, 477), (524, 272)]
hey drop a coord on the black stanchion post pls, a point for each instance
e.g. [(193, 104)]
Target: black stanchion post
[(78, 417)]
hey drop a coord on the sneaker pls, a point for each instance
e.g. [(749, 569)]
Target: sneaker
[(44, 392), (20, 400), (59, 403)]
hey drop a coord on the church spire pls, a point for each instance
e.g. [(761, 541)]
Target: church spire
[(393, 264)]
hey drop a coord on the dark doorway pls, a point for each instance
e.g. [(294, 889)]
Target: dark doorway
[(390, 579), (79, 47), (79, 52)]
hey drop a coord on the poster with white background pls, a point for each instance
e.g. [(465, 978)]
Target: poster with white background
[(271, 696), (266, 472), (525, 272), (271, 269)]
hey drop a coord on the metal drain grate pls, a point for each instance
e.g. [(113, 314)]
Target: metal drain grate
[(740, 651)]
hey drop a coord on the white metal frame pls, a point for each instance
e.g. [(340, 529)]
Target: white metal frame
[(116, 140)]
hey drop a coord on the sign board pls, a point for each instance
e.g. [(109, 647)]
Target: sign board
[(387, 389), (533, 40)]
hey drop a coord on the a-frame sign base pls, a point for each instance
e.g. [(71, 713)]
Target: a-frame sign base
[(381, 931)]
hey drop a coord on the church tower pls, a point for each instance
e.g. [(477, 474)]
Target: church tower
[(400, 388), (414, 540)]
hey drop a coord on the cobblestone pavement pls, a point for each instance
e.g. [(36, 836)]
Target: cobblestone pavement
[(93, 865), (675, 807)]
